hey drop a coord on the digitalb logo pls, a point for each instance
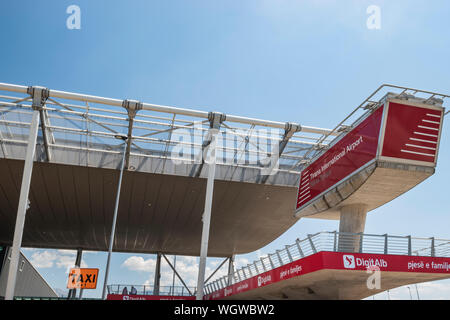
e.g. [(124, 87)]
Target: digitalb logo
[(349, 261)]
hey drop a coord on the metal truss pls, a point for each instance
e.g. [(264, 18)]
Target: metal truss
[(90, 124)]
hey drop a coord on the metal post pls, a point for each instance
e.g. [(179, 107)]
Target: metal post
[(385, 243), (433, 250), (176, 273), (217, 269), (279, 257), (335, 242), (230, 270), (312, 243), (300, 251), (270, 260), (289, 254), (173, 275), (256, 267), (360, 242), (157, 274), (262, 262), (113, 228), (207, 214), (22, 207), (249, 270), (409, 245), (72, 292)]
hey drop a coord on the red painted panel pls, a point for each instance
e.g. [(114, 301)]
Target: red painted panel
[(411, 132), (349, 154)]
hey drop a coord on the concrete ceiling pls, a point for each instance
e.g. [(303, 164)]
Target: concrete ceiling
[(72, 207)]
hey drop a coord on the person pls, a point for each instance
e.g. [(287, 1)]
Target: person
[(133, 290), (125, 291)]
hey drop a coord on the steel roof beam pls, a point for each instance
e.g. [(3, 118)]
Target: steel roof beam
[(289, 130), (39, 96), (132, 107), (215, 120), (161, 108)]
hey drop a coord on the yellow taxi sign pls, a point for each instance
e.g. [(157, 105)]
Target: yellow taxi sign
[(82, 278)]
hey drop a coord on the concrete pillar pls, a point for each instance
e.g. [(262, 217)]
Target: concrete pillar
[(353, 220), (230, 270), (157, 274)]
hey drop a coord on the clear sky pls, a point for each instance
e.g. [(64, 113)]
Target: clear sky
[(310, 62)]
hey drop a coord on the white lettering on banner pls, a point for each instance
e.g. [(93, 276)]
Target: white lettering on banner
[(444, 266), (132, 298), (371, 262), (227, 292), (264, 280), (290, 272), (350, 262), (413, 265), (349, 148), (242, 287), (416, 265)]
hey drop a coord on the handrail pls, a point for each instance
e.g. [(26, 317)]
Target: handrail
[(149, 290), (326, 241)]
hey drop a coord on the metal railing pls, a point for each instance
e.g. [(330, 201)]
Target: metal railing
[(90, 125), (149, 290), (336, 242)]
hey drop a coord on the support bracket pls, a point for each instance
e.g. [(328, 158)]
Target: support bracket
[(290, 129), (132, 106), (215, 120), (39, 96)]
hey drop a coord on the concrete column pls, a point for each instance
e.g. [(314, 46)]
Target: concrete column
[(230, 270), (157, 274), (353, 220)]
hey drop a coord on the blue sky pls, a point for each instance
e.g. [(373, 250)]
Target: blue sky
[(309, 62)]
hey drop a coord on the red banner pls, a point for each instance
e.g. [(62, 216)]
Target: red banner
[(349, 154), (337, 261), (418, 140), (146, 297)]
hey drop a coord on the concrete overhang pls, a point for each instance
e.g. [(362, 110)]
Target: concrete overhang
[(376, 184), (385, 153), (72, 207), (329, 284)]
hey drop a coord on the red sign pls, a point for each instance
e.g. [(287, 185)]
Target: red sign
[(416, 141), (349, 154), (146, 297), (337, 261), (410, 133)]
